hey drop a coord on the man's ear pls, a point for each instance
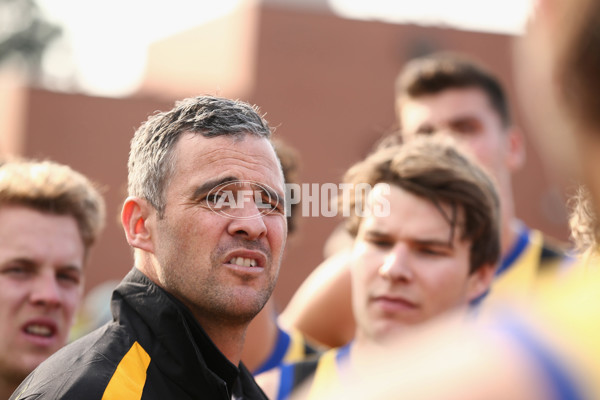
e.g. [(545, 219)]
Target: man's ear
[(137, 220), (479, 281), (515, 149)]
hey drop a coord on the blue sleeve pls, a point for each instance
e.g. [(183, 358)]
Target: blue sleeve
[(561, 382), (286, 381)]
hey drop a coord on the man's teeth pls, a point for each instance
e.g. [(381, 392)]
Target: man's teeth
[(39, 330), (243, 262)]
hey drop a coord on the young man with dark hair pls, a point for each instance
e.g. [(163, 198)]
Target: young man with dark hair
[(426, 243)]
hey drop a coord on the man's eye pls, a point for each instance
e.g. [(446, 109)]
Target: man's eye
[(466, 127), (381, 243), (218, 199), (269, 203), (18, 272), (432, 251), (270, 206), (67, 277), (14, 270), (426, 131), (428, 251), (212, 198)]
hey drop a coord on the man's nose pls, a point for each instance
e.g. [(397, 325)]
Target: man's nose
[(396, 265), (247, 219), (46, 290)]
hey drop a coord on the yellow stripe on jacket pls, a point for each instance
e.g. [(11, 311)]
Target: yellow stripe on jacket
[(130, 376)]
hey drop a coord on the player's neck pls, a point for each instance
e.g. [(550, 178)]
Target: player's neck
[(509, 235), (261, 337), (228, 339)]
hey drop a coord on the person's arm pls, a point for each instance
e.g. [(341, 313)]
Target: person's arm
[(321, 308)]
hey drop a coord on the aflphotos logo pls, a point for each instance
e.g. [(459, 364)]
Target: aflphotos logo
[(230, 199)]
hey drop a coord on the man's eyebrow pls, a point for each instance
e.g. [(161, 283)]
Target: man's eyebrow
[(434, 242), (425, 127), (71, 267), (209, 185), (24, 261), (464, 117), (377, 234)]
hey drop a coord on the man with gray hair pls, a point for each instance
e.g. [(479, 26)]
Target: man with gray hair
[(205, 217)]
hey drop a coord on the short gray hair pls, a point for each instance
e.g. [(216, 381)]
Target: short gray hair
[(151, 156)]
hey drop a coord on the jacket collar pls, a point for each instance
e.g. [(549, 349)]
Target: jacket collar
[(185, 353)]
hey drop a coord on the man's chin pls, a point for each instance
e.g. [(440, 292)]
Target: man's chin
[(250, 299), (17, 371), (243, 309), (392, 329)]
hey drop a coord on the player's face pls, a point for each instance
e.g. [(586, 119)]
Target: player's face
[(41, 281), (467, 116), (408, 266)]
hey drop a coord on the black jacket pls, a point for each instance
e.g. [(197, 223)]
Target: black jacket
[(153, 348)]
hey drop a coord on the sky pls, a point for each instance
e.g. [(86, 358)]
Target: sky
[(496, 16), (108, 39)]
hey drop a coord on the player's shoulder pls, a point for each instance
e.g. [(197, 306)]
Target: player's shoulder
[(81, 369)]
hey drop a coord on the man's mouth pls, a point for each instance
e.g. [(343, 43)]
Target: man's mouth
[(243, 262), (395, 303), (40, 330)]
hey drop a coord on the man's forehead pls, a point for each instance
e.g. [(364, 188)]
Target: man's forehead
[(27, 233), (226, 143), (437, 225), (248, 152), (470, 98)]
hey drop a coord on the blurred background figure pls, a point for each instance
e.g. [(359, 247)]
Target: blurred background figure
[(50, 216), (454, 95)]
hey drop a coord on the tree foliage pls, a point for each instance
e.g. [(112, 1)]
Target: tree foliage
[(25, 33)]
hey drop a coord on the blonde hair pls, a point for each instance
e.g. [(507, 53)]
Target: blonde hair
[(54, 188)]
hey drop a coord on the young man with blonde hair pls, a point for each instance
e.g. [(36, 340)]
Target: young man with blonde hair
[(50, 216)]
